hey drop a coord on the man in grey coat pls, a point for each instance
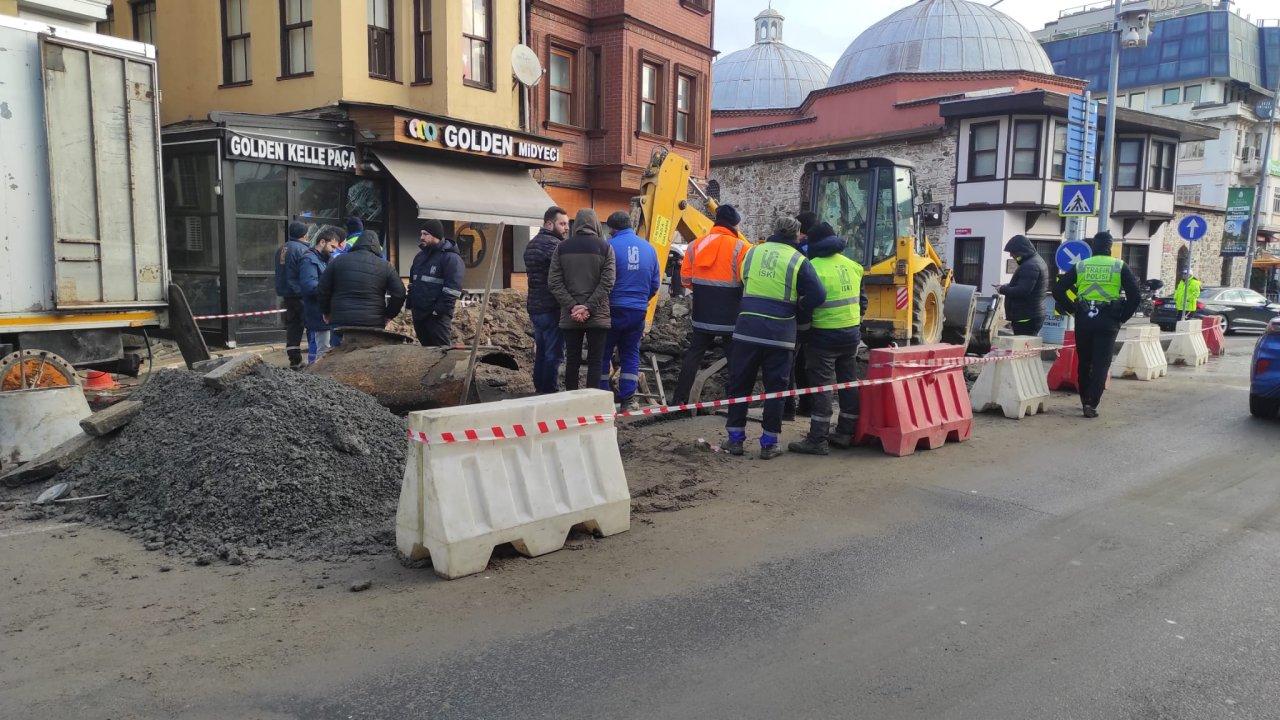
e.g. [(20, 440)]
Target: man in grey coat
[(581, 279)]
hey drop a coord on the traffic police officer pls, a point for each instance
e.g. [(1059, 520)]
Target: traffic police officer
[(1103, 294), (777, 279), (1187, 294)]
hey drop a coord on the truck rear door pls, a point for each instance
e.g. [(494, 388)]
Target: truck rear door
[(104, 176)]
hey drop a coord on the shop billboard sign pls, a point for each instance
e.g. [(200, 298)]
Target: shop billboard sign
[(293, 152), (459, 137), (1235, 240)]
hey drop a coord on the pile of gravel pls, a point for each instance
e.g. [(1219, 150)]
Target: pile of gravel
[(283, 464)]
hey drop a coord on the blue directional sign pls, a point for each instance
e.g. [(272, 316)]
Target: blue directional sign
[(1081, 154), (1071, 252), (1079, 199), (1192, 228)]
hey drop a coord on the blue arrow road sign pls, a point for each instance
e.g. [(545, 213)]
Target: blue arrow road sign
[(1192, 228), (1071, 252), (1079, 199)]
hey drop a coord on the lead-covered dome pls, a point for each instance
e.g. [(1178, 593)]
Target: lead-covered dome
[(768, 74), (940, 36)]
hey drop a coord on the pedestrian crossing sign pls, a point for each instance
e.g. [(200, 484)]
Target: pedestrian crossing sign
[(1079, 199)]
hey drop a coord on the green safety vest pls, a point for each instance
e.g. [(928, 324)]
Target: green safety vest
[(1187, 294), (842, 278), (1098, 279), (771, 272)]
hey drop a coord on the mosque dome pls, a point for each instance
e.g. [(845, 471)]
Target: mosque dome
[(768, 74), (932, 36)]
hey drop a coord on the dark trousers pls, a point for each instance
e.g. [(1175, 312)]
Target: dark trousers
[(802, 404), (1095, 346), (624, 336), (699, 343), (1027, 327), (433, 330), (293, 329), (826, 366), (548, 351), (573, 340), (746, 362)]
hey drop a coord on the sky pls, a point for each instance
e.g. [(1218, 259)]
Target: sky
[(826, 27)]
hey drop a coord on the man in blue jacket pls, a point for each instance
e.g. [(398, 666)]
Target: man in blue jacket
[(288, 287), (435, 284), (636, 283), (314, 261), (544, 311)]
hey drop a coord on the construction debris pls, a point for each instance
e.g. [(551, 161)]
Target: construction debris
[(105, 422), (51, 462), (227, 374), (279, 464)]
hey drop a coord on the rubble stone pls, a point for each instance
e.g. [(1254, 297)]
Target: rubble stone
[(226, 375), (105, 422)]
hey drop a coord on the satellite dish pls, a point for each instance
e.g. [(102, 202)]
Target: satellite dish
[(525, 65)]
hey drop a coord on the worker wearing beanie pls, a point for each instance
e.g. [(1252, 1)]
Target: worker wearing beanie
[(289, 288), (355, 226), (777, 281), (636, 282), (1103, 294), (712, 268), (435, 284)]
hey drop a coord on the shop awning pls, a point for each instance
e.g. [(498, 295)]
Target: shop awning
[(447, 189)]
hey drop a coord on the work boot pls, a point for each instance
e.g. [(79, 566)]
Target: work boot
[(733, 447), (769, 452), (844, 442), (1090, 411), (629, 405), (809, 446)]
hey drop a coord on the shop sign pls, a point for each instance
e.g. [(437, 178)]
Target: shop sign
[(459, 137), (331, 157)]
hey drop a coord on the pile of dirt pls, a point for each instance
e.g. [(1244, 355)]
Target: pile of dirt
[(667, 470), (281, 465)]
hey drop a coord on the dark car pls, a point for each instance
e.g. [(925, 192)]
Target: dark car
[(1243, 309)]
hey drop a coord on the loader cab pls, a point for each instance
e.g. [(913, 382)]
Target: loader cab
[(870, 202)]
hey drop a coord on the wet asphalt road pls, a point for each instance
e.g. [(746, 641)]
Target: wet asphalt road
[(1124, 569)]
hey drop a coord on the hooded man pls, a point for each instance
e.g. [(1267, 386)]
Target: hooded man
[(544, 311), (435, 284), (1024, 294), (581, 278), (314, 262), (359, 288), (1186, 295), (1103, 294), (831, 347), (712, 268), (289, 288), (355, 226), (637, 281), (777, 280)]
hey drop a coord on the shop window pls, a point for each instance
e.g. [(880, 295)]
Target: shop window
[(1059, 169), (1135, 256), (969, 259), (1191, 94), (1129, 164), (191, 212), (381, 17), (422, 41), (107, 26), (983, 141), (297, 46), (1026, 148), (1162, 165), (685, 100), (477, 43), (650, 98), (235, 42), (561, 87), (1171, 96), (144, 20)]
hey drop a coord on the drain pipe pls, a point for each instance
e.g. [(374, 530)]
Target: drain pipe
[(526, 122)]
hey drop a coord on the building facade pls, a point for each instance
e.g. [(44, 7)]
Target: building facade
[(623, 78)]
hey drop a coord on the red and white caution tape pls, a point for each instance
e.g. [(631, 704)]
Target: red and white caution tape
[(259, 313), (507, 432)]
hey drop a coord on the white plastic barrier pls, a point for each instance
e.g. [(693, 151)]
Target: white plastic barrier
[(1141, 355), (1017, 386), (1188, 346), (459, 500)]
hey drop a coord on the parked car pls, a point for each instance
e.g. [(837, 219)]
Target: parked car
[(1243, 309), (1264, 377)]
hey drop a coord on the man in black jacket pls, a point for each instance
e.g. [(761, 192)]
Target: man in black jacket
[(354, 288), (544, 311), (1103, 299), (1024, 294), (435, 284)]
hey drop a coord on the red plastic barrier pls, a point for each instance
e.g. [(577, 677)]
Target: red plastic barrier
[(1064, 375), (931, 409), (1214, 336)]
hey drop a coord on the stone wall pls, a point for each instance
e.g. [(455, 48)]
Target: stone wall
[(763, 190), (1205, 255)]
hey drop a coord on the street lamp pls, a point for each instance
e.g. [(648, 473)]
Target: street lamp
[(1131, 29)]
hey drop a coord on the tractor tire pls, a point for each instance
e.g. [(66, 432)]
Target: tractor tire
[(927, 309)]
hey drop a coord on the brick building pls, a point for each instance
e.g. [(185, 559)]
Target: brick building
[(623, 78)]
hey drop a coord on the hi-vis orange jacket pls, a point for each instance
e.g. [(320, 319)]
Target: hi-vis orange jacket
[(712, 267)]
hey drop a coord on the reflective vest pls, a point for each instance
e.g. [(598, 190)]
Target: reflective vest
[(712, 266), (771, 272), (842, 278), (1187, 294), (1098, 279)]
